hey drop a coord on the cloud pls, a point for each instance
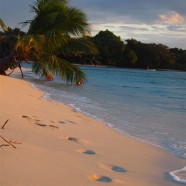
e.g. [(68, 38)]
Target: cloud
[(177, 28), (133, 11), (172, 17), (146, 20)]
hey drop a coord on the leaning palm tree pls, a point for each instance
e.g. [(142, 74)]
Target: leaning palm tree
[(55, 32), (8, 40)]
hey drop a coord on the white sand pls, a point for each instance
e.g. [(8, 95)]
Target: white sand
[(50, 156)]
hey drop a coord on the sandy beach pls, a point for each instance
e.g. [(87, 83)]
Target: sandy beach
[(55, 145)]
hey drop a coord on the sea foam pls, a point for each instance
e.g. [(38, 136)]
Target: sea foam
[(149, 106), (179, 175)]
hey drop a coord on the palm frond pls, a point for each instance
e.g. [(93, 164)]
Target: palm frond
[(76, 45), (48, 65), (77, 23), (31, 43), (3, 26), (55, 14), (69, 72), (55, 30)]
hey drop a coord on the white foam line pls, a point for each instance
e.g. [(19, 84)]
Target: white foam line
[(34, 86), (48, 97), (179, 178)]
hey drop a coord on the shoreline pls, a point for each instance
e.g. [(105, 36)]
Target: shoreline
[(131, 68), (71, 148), (107, 124), (48, 95)]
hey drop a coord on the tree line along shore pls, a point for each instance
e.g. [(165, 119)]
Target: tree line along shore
[(132, 54), (58, 36), (112, 51)]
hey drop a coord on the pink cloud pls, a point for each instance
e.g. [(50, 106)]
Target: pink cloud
[(172, 18)]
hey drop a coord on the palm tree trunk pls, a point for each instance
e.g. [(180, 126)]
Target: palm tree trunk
[(21, 70)]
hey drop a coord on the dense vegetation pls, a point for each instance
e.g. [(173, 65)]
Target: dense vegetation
[(62, 40), (133, 54), (55, 32)]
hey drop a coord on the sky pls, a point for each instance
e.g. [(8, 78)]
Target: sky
[(148, 21)]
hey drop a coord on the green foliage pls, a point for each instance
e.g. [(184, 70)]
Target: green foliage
[(57, 37), (55, 32), (110, 47), (130, 58), (57, 18), (63, 29), (135, 54), (8, 39), (152, 55), (180, 58)]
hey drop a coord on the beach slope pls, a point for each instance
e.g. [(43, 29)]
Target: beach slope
[(48, 143)]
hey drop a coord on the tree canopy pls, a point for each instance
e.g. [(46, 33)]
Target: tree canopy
[(59, 36), (110, 47), (135, 54), (56, 31)]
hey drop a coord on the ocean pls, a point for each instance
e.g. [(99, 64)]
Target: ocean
[(148, 105)]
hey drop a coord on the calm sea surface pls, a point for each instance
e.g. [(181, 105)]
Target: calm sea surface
[(148, 105)]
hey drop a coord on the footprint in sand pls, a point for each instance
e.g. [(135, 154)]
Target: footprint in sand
[(27, 117), (87, 152), (101, 178), (37, 121), (61, 122), (71, 122), (53, 126), (41, 125), (118, 169), (74, 139), (113, 168), (33, 118), (71, 139), (106, 179)]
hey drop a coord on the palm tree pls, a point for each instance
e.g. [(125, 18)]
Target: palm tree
[(8, 39), (55, 32)]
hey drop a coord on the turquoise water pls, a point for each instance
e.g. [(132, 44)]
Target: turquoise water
[(148, 105)]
